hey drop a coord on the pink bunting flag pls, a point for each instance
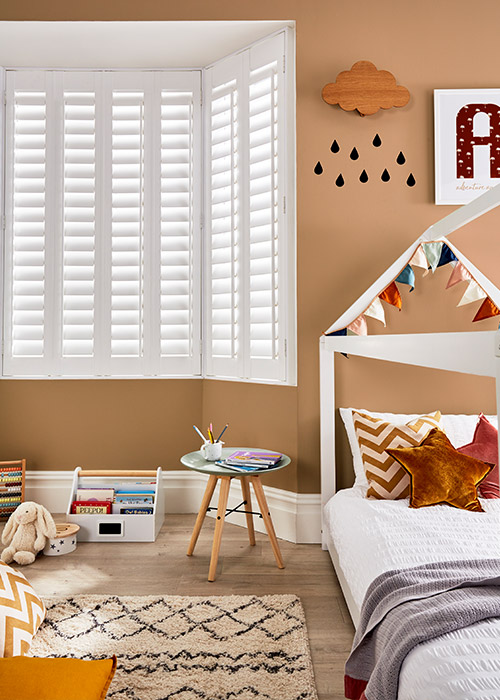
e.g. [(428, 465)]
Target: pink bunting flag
[(459, 274), (419, 259), (359, 326)]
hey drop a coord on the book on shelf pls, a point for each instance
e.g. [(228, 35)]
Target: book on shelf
[(136, 510), (254, 458), (134, 498), (95, 494), (90, 507)]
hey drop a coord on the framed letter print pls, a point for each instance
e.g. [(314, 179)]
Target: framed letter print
[(467, 143)]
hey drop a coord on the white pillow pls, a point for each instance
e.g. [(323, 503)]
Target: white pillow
[(459, 428)]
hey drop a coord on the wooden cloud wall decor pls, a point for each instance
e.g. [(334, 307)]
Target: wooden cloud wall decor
[(366, 89)]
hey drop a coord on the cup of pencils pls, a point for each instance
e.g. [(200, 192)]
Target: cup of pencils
[(211, 449)]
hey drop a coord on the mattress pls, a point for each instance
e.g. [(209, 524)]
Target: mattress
[(376, 536)]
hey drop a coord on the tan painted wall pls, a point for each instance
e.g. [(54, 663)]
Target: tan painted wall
[(346, 238)]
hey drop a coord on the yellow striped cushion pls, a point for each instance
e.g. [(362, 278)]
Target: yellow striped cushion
[(386, 478), (21, 612)]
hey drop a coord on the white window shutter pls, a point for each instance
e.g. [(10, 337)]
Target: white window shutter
[(223, 231), (77, 341), (250, 302), (103, 256), (26, 214), (180, 225)]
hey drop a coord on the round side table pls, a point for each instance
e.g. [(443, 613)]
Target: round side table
[(196, 462)]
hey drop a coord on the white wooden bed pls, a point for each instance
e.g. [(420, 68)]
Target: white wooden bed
[(475, 352)]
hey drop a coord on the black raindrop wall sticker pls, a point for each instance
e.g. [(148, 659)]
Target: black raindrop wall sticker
[(377, 141), (354, 155), (411, 180), (340, 181), (385, 177), (363, 177), (335, 148), (401, 160), (318, 168)]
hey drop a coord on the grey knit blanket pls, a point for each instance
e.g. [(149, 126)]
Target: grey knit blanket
[(407, 607)]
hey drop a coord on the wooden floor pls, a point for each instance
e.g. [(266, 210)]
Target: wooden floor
[(163, 568)]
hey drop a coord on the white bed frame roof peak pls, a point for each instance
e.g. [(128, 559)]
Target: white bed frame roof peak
[(438, 231)]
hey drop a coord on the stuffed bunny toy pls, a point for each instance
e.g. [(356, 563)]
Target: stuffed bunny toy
[(25, 533)]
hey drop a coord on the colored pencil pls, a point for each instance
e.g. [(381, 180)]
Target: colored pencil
[(222, 433), (200, 433)]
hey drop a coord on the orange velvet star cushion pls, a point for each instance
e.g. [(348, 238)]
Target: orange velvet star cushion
[(441, 474)]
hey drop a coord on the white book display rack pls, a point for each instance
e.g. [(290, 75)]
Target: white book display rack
[(116, 526)]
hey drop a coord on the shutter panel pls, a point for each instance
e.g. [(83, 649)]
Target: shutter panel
[(267, 230), (250, 298), (223, 272), (127, 224), (25, 210), (180, 230), (79, 223)]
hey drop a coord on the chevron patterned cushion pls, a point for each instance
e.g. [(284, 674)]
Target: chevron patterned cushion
[(21, 612), (386, 478)]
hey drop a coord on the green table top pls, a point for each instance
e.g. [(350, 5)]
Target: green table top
[(195, 461)]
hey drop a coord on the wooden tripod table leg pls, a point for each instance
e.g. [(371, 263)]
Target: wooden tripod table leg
[(225, 483), (207, 497), (264, 509), (245, 490)]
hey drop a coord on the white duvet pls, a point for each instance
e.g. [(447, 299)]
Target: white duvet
[(376, 536)]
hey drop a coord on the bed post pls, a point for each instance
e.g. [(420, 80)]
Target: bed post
[(497, 379), (327, 426)]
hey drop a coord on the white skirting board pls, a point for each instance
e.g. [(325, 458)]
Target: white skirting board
[(296, 516)]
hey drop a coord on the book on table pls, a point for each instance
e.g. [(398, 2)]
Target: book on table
[(253, 458)]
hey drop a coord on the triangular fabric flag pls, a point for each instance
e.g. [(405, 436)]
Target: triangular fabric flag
[(392, 296), (447, 256), (358, 326), (487, 310), (341, 332), (419, 259), (473, 293), (459, 274), (376, 310), (407, 276), (432, 252)]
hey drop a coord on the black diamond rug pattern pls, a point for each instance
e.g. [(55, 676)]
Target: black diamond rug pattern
[(187, 648)]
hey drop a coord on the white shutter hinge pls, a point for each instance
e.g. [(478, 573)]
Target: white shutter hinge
[(3, 223), (5, 99), (286, 348), (284, 63), (284, 205)]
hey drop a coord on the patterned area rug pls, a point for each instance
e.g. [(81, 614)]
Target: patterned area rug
[(187, 648)]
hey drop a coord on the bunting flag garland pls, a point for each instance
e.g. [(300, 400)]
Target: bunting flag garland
[(392, 296), (419, 259), (407, 276), (459, 274), (358, 326), (432, 252), (447, 256), (473, 293), (376, 310), (487, 310), (429, 256)]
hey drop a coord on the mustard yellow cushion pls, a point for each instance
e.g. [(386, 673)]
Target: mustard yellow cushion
[(441, 474), (29, 678)]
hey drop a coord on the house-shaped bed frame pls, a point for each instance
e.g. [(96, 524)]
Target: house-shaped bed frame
[(476, 352)]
